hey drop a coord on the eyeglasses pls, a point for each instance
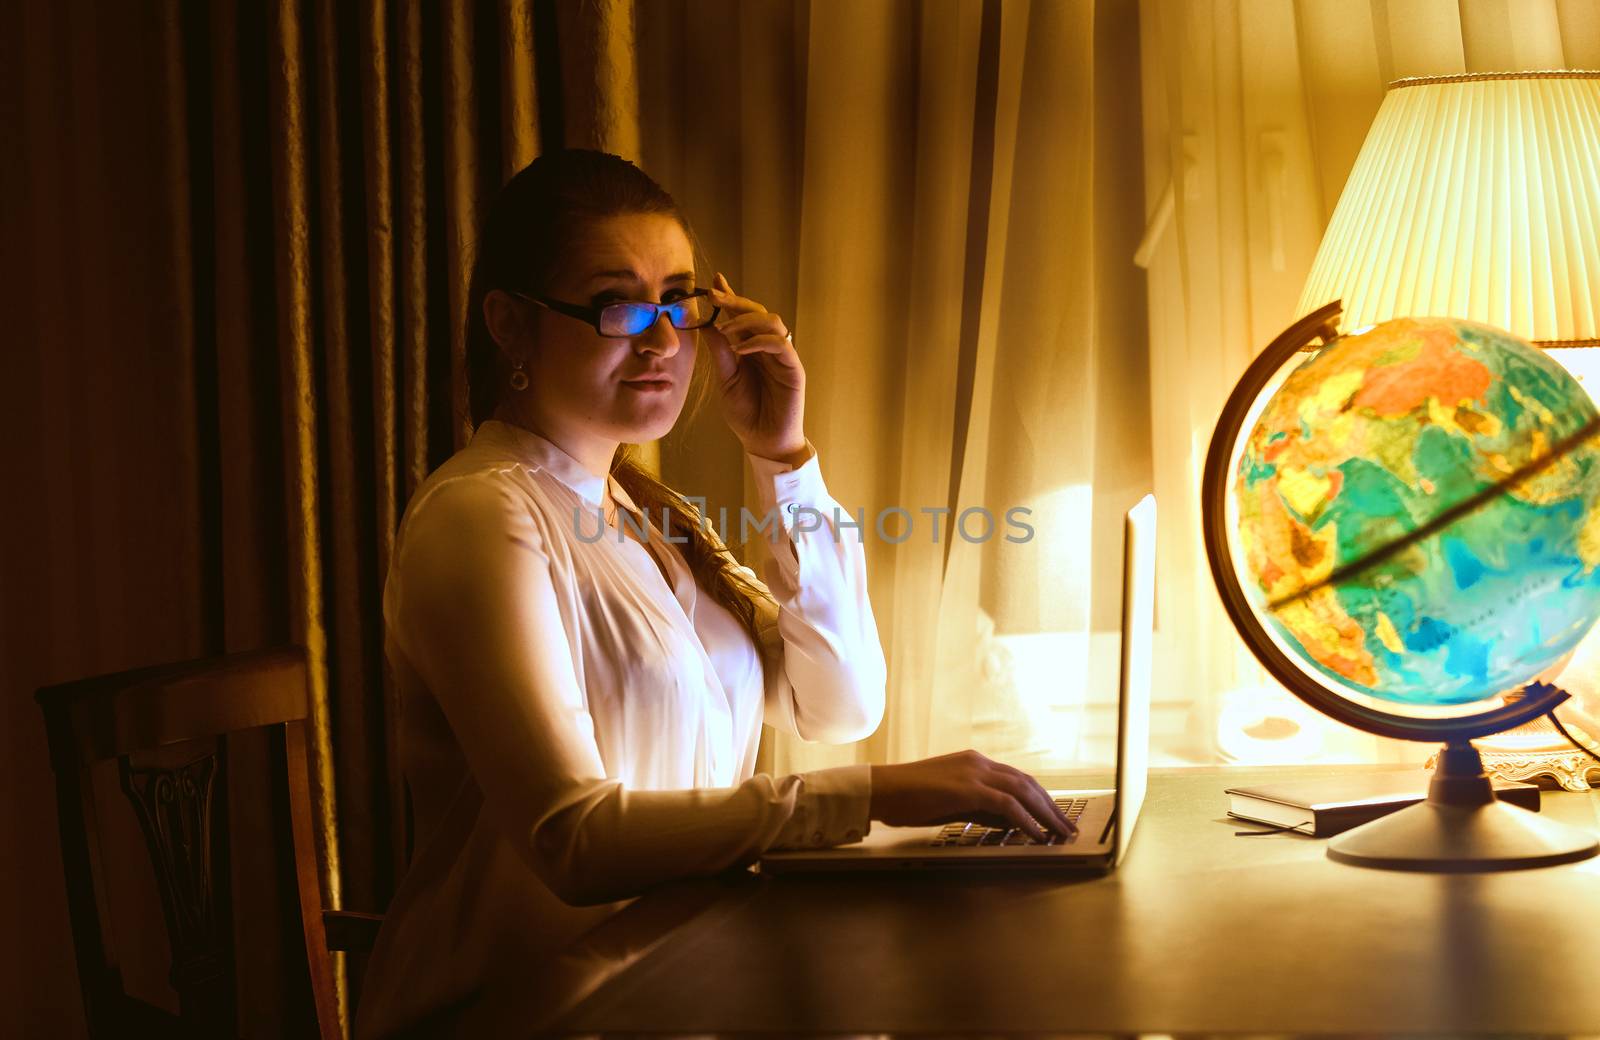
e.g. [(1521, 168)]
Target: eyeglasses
[(631, 317)]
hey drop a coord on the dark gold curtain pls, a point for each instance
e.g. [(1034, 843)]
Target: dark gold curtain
[(238, 241)]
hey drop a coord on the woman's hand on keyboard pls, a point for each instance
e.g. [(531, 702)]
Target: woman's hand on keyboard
[(965, 785)]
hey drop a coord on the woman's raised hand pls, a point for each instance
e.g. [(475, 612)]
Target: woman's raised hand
[(964, 785), (761, 382)]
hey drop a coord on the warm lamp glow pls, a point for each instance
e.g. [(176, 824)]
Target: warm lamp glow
[(1473, 197)]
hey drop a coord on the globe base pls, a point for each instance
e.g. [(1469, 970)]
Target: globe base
[(1462, 827)]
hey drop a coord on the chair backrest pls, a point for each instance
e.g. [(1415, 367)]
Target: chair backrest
[(168, 728)]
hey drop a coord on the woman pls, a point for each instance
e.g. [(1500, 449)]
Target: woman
[(582, 705)]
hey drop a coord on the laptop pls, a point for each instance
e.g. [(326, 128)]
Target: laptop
[(1105, 818)]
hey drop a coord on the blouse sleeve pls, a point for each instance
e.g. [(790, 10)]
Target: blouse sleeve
[(826, 675), (476, 614)]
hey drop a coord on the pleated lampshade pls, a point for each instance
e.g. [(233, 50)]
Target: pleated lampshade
[(1478, 197)]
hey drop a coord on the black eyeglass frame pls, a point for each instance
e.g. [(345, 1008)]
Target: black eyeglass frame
[(592, 315)]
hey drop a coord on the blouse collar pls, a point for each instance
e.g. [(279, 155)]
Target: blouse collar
[(549, 456)]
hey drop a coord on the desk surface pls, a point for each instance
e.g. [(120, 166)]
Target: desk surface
[(1199, 931)]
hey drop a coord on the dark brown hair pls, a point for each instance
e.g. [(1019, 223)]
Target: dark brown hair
[(527, 233)]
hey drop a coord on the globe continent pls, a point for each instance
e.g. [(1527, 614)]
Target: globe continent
[(1376, 435)]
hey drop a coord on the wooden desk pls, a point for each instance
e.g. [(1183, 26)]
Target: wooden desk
[(1199, 931)]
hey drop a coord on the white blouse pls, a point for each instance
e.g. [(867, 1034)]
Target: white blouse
[(574, 730)]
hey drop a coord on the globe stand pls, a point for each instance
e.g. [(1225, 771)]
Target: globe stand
[(1462, 827)]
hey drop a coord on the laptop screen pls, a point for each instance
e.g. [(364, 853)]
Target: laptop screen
[(1138, 638)]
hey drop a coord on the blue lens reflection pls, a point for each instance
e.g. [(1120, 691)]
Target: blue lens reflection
[(630, 319)]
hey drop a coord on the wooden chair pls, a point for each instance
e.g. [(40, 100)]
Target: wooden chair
[(169, 728)]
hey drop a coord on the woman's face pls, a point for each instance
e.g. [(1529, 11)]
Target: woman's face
[(582, 388)]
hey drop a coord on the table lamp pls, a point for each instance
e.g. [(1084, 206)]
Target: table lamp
[(1477, 197)]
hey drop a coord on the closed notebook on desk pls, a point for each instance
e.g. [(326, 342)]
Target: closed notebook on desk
[(1328, 805)]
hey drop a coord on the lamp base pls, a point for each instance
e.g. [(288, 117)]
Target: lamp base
[(1462, 827), (1569, 768), (1536, 750)]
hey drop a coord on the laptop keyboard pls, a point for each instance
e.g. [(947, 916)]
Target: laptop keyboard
[(978, 834)]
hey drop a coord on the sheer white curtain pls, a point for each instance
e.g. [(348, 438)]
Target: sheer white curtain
[(1254, 111), (944, 200)]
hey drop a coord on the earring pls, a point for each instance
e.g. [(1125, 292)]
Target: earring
[(519, 378)]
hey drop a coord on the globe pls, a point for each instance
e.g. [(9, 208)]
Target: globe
[(1418, 512)]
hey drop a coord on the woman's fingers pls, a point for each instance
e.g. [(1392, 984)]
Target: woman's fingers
[(763, 345), (1016, 815), (723, 358), (753, 329), (728, 300), (1044, 808), (967, 787), (753, 323), (1038, 800)]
